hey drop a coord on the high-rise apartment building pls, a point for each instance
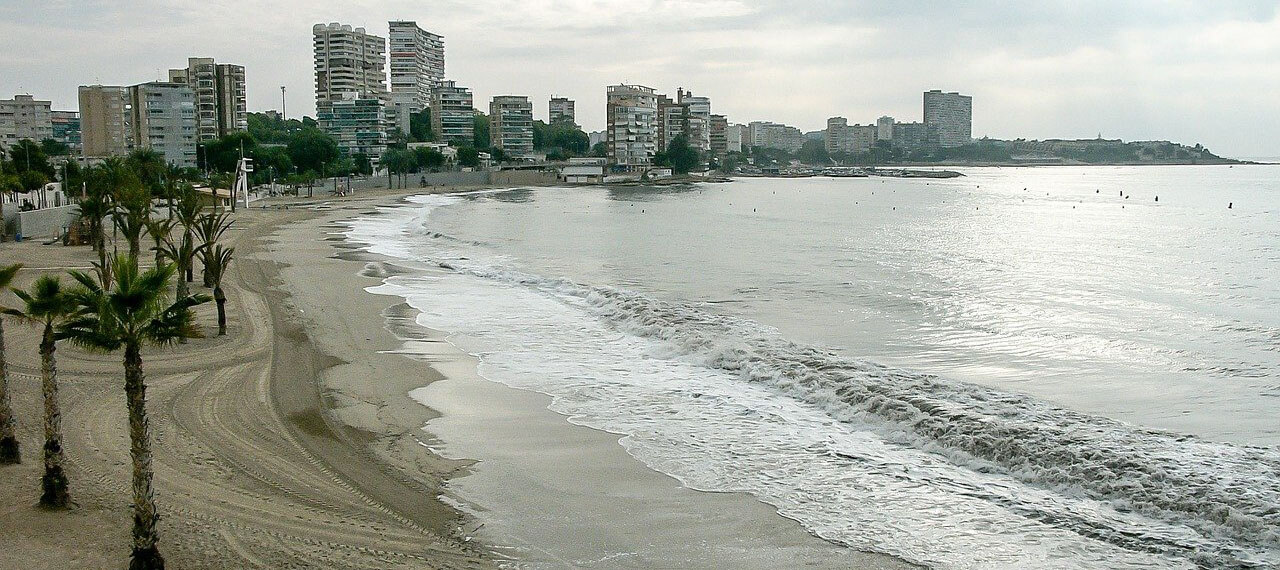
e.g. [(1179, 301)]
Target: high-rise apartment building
[(631, 113), (884, 129), (698, 119), (511, 125), (417, 67), (841, 137), (160, 116), (733, 136), (719, 135), (560, 110), (351, 88), (453, 114), (951, 114), (772, 135), (220, 97), (164, 120), (24, 117), (106, 121)]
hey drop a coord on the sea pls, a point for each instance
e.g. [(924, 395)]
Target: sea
[(1054, 367)]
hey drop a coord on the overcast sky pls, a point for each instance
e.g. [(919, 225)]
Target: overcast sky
[(1189, 71)]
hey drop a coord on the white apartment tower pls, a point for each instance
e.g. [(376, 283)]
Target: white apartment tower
[(220, 96), (417, 67), (511, 125), (631, 121), (951, 114), (351, 88)]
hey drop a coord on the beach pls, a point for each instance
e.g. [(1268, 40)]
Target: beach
[(293, 441)]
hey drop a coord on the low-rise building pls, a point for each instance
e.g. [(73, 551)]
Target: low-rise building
[(357, 123), (773, 135), (583, 171)]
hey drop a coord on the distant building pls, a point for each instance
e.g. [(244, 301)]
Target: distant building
[(583, 171), (24, 117), (914, 136), (164, 120), (66, 129), (733, 136), (841, 137), (951, 114), (511, 125), (719, 135), (884, 129), (106, 121), (773, 135), (357, 123), (698, 119), (453, 114), (560, 110), (417, 67), (631, 126), (351, 88), (220, 97)]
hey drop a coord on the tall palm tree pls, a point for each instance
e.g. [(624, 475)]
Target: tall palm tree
[(48, 304), (9, 453), (217, 260), (158, 229), (189, 211), (133, 209), (135, 311)]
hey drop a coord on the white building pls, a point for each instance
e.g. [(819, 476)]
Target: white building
[(417, 67), (511, 125), (351, 87), (951, 114), (841, 137), (583, 171), (164, 120), (631, 124), (23, 117), (884, 128), (773, 135), (733, 136)]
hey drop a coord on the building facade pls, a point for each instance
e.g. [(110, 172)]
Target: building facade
[(951, 114), (24, 117), (357, 123), (221, 106), (915, 136), (66, 129), (698, 119), (772, 135), (417, 67), (733, 138), (841, 137), (453, 114), (351, 88), (631, 115), (164, 120), (560, 110), (511, 125), (106, 121), (884, 129), (719, 127)]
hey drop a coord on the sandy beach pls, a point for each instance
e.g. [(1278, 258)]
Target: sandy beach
[(294, 442)]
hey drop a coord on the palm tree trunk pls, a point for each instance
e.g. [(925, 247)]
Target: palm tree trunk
[(146, 555), (221, 299), (9, 453), (54, 483), (186, 236)]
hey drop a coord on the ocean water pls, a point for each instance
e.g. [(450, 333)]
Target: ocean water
[(1021, 368)]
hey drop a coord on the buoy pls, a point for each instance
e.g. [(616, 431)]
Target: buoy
[(1157, 198), (1229, 205)]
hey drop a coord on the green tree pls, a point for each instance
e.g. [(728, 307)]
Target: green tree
[(311, 149), (27, 155), (481, 123), (682, 157), (149, 166), (429, 157), (134, 312), (468, 156), (54, 147), (813, 153), (48, 304), (9, 448), (210, 229), (420, 127), (223, 153), (362, 164), (600, 150)]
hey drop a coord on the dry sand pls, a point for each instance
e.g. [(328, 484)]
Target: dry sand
[(293, 442)]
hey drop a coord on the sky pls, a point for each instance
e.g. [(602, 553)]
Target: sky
[(1188, 71)]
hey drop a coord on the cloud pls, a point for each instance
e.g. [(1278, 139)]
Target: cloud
[(1179, 69)]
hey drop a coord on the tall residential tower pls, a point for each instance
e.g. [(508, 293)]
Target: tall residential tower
[(951, 114), (351, 88), (219, 96), (631, 126), (417, 67)]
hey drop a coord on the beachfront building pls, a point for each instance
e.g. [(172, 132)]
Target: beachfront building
[(951, 114), (24, 117), (884, 129), (351, 88), (697, 119), (106, 121), (453, 114), (773, 135), (417, 67), (841, 137), (560, 110), (631, 119), (914, 136), (733, 138), (220, 98), (164, 120), (719, 126), (511, 125)]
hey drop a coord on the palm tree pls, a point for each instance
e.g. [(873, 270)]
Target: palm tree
[(159, 229), (210, 230), (135, 311), (9, 453), (217, 260), (48, 304), (133, 209), (189, 209)]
